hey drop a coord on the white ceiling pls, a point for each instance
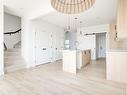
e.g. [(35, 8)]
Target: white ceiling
[(27, 7), (103, 12)]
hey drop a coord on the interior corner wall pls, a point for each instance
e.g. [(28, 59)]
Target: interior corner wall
[(11, 23), (1, 38)]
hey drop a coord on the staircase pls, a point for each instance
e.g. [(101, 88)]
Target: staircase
[(18, 45), (13, 60)]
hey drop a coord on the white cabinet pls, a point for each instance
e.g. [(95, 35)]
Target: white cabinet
[(75, 59), (69, 61), (117, 66), (122, 19)]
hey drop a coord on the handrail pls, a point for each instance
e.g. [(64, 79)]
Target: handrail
[(5, 47), (13, 32)]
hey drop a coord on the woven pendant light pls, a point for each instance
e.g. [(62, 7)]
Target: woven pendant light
[(72, 6)]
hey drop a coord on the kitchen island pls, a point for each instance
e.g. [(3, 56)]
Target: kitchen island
[(75, 59)]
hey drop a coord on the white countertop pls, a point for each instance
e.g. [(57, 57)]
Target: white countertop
[(117, 50), (78, 50)]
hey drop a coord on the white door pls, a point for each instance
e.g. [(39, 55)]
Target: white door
[(43, 47), (58, 45), (101, 44), (58, 50)]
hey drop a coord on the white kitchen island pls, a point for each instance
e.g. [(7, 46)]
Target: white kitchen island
[(75, 59)]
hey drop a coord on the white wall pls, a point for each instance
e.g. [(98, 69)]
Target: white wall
[(28, 38), (71, 36), (95, 29), (1, 37), (26, 34), (89, 42), (11, 23)]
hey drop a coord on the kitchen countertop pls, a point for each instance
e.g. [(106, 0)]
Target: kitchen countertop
[(117, 50), (75, 50)]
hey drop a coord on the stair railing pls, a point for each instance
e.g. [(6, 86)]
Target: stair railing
[(18, 31), (5, 47), (10, 33), (18, 43)]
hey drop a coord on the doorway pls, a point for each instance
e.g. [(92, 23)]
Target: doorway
[(43, 47), (12, 43), (101, 45)]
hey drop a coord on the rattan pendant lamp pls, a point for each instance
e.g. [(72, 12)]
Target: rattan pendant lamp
[(72, 6)]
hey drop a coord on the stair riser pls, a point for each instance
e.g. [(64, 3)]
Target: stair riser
[(13, 60), (14, 50), (13, 63), (10, 53)]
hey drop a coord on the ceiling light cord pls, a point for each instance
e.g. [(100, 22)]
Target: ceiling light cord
[(69, 23), (76, 20), (80, 30)]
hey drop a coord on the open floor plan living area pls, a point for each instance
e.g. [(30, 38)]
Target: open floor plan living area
[(63, 47)]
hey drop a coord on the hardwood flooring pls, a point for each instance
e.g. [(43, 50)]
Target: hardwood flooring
[(50, 80)]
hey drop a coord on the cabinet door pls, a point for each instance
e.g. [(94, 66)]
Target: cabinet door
[(122, 19)]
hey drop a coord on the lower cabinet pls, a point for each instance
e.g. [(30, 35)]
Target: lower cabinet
[(116, 66), (84, 58)]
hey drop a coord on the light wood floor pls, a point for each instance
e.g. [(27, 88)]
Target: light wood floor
[(50, 80)]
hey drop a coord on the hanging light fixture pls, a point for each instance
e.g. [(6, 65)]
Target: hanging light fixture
[(80, 28), (72, 6), (76, 20)]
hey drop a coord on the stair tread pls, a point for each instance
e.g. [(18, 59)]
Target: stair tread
[(13, 60), (14, 50), (13, 64), (13, 57)]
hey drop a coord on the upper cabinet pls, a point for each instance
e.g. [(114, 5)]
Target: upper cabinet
[(122, 19)]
